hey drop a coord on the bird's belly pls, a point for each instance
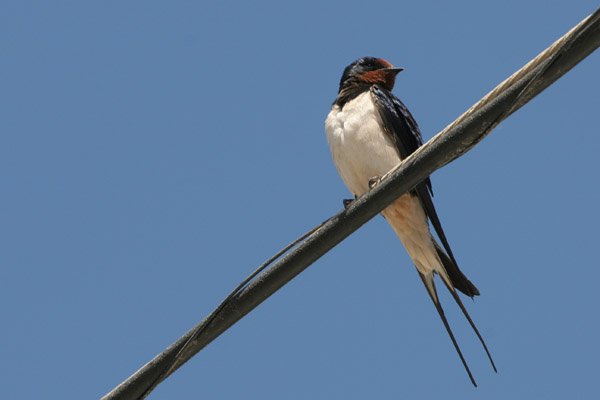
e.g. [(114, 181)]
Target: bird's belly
[(361, 150), (359, 146)]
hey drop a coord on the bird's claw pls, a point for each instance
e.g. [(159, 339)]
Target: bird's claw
[(348, 201), (374, 181)]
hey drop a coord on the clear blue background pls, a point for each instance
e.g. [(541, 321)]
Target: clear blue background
[(152, 154)]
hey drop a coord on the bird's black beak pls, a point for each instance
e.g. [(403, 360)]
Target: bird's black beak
[(395, 70)]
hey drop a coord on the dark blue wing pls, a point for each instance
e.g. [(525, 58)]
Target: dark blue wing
[(405, 133), (399, 123)]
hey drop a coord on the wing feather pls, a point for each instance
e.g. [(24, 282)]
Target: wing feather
[(404, 131)]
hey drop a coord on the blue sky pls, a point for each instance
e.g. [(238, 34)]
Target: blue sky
[(152, 154)]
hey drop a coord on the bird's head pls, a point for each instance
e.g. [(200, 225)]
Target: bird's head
[(369, 70)]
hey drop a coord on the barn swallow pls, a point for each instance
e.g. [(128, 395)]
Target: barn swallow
[(370, 131)]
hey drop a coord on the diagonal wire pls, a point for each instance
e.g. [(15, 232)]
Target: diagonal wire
[(451, 143), (198, 329)]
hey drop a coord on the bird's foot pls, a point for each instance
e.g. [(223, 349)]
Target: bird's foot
[(348, 201), (374, 181)]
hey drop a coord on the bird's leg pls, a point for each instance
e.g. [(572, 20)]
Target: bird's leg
[(374, 181), (348, 201)]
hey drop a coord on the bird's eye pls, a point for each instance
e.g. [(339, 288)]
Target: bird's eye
[(372, 65)]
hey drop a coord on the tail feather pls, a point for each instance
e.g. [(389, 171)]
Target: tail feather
[(466, 314), (430, 286), (456, 279), (459, 280)]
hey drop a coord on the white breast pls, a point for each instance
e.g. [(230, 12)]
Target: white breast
[(362, 150), (359, 146)]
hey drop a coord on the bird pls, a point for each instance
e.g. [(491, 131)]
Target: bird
[(370, 131)]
